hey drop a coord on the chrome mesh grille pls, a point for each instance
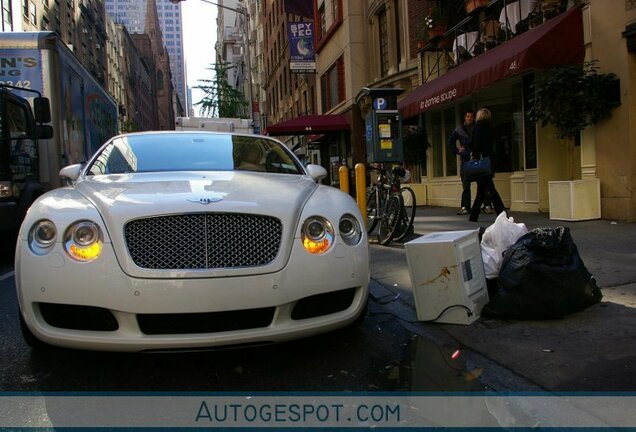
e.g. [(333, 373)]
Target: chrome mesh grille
[(203, 241)]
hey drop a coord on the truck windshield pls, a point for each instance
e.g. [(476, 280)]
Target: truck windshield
[(23, 152), (182, 151), (17, 122)]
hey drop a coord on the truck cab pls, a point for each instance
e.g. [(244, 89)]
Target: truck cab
[(21, 126)]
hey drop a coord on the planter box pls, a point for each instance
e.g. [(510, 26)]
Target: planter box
[(575, 200)]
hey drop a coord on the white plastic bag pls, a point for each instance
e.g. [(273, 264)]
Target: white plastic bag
[(498, 237)]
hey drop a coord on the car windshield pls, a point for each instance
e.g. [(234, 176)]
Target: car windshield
[(192, 152)]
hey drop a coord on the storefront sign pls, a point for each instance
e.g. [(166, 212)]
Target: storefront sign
[(438, 99)]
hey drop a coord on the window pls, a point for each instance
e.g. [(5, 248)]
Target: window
[(398, 26), (449, 125), (329, 13), (527, 131), (384, 43), (159, 80), (323, 18), (7, 21), (437, 144), (32, 13), (332, 86), (334, 10)]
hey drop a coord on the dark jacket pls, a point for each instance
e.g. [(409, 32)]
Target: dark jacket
[(463, 134), (483, 139)]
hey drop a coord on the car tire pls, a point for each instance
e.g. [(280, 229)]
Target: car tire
[(30, 339)]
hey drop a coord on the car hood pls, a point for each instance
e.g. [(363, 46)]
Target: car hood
[(123, 197), (128, 196)]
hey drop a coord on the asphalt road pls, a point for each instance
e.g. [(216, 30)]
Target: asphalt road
[(380, 355)]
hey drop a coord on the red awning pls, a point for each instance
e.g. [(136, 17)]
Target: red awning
[(310, 125), (556, 42)]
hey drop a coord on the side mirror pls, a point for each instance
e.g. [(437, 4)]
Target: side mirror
[(71, 172), (44, 131), (316, 172), (42, 110)]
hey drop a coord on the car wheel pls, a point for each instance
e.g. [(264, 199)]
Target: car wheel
[(30, 338)]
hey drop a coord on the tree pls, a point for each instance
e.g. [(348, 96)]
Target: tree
[(129, 126), (572, 97), (221, 99)]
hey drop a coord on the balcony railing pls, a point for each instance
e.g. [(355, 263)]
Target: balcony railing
[(483, 29)]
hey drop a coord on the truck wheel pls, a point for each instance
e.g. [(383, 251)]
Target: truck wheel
[(30, 338)]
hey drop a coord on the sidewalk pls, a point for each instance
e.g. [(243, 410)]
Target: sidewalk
[(593, 350)]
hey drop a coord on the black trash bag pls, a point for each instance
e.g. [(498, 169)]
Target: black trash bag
[(542, 276)]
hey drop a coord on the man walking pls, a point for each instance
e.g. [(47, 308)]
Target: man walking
[(463, 135)]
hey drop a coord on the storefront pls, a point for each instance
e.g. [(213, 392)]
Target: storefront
[(501, 80), (326, 140)]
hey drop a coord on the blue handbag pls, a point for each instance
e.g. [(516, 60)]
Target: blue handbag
[(475, 169)]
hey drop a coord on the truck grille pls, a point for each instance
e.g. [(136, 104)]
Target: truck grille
[(203, 241)]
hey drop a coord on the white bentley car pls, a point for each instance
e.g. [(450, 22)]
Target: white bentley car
[(190, 240)]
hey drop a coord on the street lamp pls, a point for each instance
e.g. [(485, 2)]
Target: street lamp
[(241, 10)]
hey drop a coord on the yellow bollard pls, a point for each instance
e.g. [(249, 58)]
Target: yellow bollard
[(361, 190), (343, 173)]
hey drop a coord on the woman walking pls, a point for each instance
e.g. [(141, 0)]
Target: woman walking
[(483, 139)]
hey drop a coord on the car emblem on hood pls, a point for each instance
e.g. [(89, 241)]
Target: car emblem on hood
[(206, 201)]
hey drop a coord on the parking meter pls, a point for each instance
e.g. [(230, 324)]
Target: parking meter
[(384, 136)]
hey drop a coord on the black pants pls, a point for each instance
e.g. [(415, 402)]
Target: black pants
[(465, 192), (465, 203), (486, 188)]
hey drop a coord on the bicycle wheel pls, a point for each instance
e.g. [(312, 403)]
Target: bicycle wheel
[(406, 223), (372, 209), (391, 216)]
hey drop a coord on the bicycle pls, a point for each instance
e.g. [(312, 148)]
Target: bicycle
[(408, 208), (390, 205)]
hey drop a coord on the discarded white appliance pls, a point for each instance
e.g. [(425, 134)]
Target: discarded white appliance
[(447, 275)]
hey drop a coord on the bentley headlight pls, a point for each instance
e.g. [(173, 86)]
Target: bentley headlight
[(317, 235), (350, 230), (42, 236), (83, 241)]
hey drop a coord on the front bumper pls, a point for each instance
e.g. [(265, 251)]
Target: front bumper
[(55, 279)]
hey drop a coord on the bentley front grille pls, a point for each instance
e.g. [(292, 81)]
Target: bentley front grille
[(203, 241)]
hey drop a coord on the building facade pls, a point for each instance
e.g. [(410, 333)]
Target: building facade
[(489, 55), (150, 45), (133, 14), (105, 48), (583, 178), (138, 107), (608, 149), (81, 24)]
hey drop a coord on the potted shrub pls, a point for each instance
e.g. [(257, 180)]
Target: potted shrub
[(572, 97), (473, 5), (552, 8), (435, 24)]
